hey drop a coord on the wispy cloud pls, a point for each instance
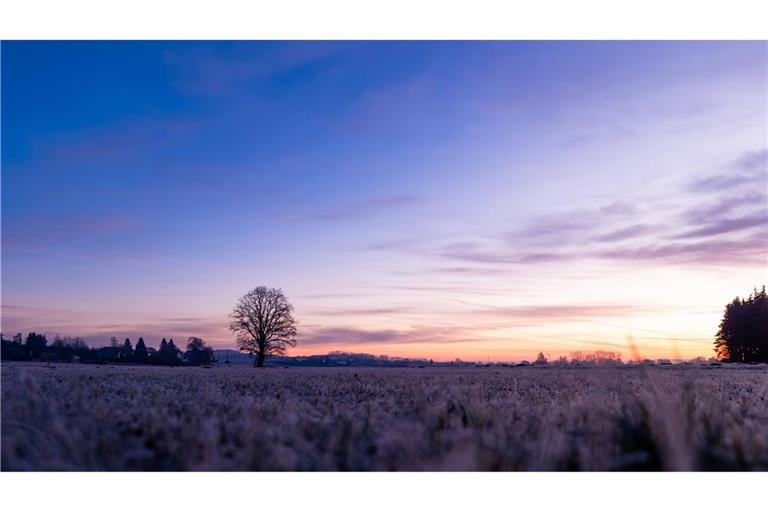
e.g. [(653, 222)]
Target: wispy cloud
[(723, 226), (366, 208), (727, 226), (561, 312), (749, 168), (626, 233), (746, 251), (340, 336), (129, 139), (217, 70), (366, 312)]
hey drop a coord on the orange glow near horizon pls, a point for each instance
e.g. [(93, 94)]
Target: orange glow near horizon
[(483, 201)]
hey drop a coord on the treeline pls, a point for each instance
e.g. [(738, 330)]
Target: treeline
[(35, 347)]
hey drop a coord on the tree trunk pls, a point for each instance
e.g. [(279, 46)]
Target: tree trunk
[(259, 359)]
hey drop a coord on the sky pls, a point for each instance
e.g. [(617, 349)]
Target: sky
[(479, 200)]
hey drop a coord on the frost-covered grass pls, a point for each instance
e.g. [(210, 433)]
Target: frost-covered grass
[(79, 417)]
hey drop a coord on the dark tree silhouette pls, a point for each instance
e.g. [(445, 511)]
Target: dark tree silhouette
[(168, 353), (126, 352), (13, 349), (68, 347), (743, 333), (140, 354), (263, 323), (157, 356), (35, 344), (198, 352)]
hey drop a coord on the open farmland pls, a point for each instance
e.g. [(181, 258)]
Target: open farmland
[(83, 417)]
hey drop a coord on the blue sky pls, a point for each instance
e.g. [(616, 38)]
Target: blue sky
[(472, 199)]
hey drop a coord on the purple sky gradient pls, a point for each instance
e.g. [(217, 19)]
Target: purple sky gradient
[(437, 199)]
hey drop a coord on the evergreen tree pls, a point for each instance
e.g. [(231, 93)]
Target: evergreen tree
[(157, 357), (173, 353), (743, 333), (140, 354), (126, 353)]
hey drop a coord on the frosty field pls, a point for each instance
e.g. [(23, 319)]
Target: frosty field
[(83, 417)]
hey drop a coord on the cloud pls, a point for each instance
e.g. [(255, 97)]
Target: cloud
[(561, 312), (325, 296), (725, 203), (556, 225), (403, 244), (448, 289), (751, 161), (625, 233), (217, 71), (739, 252), (129, 140), (476, 253), (722, 226), (468, 271), (474, 328), (747, 251), (394, 310), (66, 224), (366, 208), (576, 224), (747, 169), (339, 336), (618, 208)]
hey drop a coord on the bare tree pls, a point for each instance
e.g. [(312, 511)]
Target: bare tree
[(263, 322)]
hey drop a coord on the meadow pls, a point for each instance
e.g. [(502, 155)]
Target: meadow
[(88, 417)]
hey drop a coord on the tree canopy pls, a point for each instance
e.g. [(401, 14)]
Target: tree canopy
[(199, 352), (743, 333), (263, 323)]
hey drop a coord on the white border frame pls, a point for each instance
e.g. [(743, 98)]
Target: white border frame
[(384, 19)]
